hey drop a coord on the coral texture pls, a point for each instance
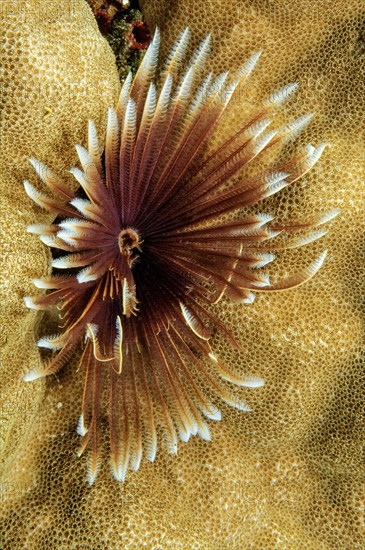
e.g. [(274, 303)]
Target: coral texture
[(288, 475)]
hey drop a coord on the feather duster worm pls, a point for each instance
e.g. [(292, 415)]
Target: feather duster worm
[(149, 254)]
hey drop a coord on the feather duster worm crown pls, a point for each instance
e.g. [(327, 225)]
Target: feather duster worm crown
[(147, 255)]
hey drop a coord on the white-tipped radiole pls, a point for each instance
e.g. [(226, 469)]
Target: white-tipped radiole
[(34, 374)]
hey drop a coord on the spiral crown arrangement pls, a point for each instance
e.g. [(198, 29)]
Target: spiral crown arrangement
[(146, 254)]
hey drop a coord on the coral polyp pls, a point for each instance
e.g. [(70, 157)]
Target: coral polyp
[(156, 239)]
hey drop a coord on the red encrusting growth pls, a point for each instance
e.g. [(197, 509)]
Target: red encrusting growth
[(138, 37), (154, 256)]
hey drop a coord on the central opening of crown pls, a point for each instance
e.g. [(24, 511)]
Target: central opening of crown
[(129, 243)]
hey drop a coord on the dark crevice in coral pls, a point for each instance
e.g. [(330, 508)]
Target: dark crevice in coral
[(124, 28)]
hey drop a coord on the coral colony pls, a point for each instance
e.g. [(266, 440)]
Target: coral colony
[(147, 249)]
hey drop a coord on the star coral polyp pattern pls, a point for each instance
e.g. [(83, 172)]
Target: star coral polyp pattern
[(156, 238)]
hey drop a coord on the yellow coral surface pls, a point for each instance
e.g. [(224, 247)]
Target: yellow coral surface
[(291, 473)]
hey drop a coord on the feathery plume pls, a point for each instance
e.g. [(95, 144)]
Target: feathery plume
[(150, 254)]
